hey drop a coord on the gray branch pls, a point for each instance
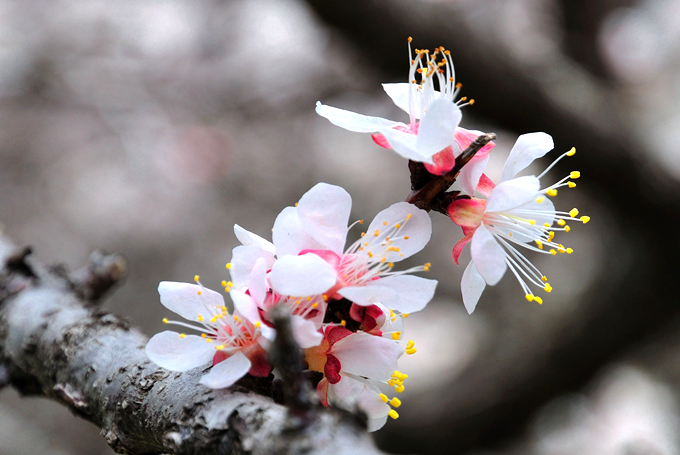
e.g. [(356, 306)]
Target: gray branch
[(55, 342)]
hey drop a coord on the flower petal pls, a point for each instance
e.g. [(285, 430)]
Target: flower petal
[(376, 410), (243, 259), (305, 332), (488, 255), (540, 212), (399, 94), (414, 233), (324, 213), (352, 121), (405, 144), (438, 126), (513, 193), (245, 305), (369, 356), (467, 212), (465, 137), (472, 285), (485, 185), (290, 236), (188, 300), (247, 238), (227, 372), (458, 247), (527, 148), (172, 352), (471, 173), (404, 293), (302, 275)]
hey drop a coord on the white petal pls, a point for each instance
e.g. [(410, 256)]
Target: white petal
[(405, 144), (418, 229), (376, 423), (399, 94), (302, 275), (247, 238), (352, 121), (527, 148), (243, 259), (472, 285), (257, 281), (369, 356), (305, 332), (346, 391), (405, 293), (289, 236), (324, 213), (227, 372), (245, 305), (471, 173), (513, 193), (188, 300), (172, 352), (438, 126), (488, 255), (376, 410)]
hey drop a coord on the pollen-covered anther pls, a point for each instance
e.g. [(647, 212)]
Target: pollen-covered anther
[(427, 266), (571, 152), (182, 335), (561, 222), (544, 278), (395, 402), (228, 265), (376, 233), (530, 297), (547, 288), (539, 244), (585, 219), (165, 320), (553, 252), (574, 174), (396, 335), (540, 199), (569, 250), (196, 278), (538, 300), (394, 414), (343, 323), (571, 184), (552, 192), (199, 318), (573, 212)]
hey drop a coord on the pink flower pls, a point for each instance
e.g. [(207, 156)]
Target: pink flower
[(516, 212), (432, 135), (233, 343)]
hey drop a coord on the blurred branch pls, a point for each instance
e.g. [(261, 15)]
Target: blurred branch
[(53, 343), (633, 297)]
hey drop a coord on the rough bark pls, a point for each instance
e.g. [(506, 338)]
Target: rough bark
[(55, 343)]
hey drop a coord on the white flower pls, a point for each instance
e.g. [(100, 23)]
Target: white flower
[(235, 344), (432, 135), (515, 213)]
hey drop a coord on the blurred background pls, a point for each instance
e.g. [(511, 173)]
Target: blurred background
[(150, 127)]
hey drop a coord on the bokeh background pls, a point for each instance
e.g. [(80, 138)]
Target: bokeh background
[(150, 127)]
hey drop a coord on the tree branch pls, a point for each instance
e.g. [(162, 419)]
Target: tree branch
[(52, 343)]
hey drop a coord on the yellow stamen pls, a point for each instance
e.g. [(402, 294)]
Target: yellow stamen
[(529, 297), (539, 244), (343, 323), (553, 252), (396, 402), (258, 324), (571, 184), (396, 335), (540, 199), (585, 219), (393, 414), (573, 212), (228, 265), (552, 192), (196, 278), (405, 315), (376, 233), (411, 351), (569, 251), (561, 222), (315, 305), (567, 229), (571, 152), (199, 318), (539, 300), (199, 293), (182, 335), (544, 278), (165, 320), (548, 288), (410, 344), (575, 174), (384, 398)]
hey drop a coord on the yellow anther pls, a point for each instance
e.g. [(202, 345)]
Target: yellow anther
[(406, 237), (539, 300), (551, 235), (573, 212), (315, 305), (553, 252), (361, 221), (165, 320), (228, 265), (391, 313), (571, 184), (532, 222), (203, 335), (224, 284), (394, 414), (574, 174), (567, 229), (296, 204), (547, 288), (384, 223), (370, 255), (395, 402), (258, 324), (539, 244), (208, 340), (309, 298), (509, 234), (397, 225), (229, 284), (569, 251), (399, 389), (411, 351), (405, 315), (199, 318), (199, 293), (552, 192), (427, 266), (363, 234), (408, 217), (325, 297), (223, 308), (529, 297), (410, 39), (409, 345), (540, 199), (544, 278), (343, 323), (546, 225), (377, 232), (472, 102), (585, 219), (393, 248), (213, 319), (182, 335), (384, 398), (196, 278), (571, 152), (220, 347), (561, 222), (396, 335)]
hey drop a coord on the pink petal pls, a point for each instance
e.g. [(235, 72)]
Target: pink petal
[(471, 173), (289, 235), (324, 213), (302, 275), (443, 162), (380, 140), (465, 137), (332, 369), (485, 185), (467, 212), (458, 247)]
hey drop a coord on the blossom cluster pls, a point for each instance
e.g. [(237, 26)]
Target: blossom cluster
[(347, 304)]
